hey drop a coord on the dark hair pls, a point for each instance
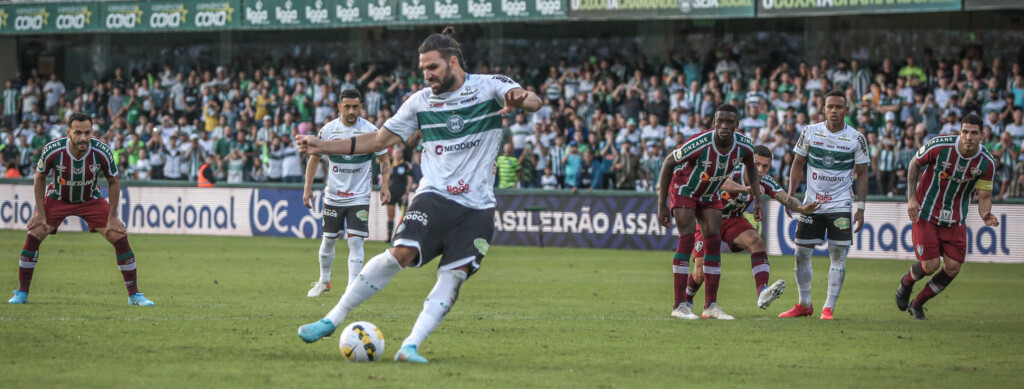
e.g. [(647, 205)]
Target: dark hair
[(350, 94), (973, 119), (836, 93), (763, 151), (79, 117), (727, 108), (445, 44)]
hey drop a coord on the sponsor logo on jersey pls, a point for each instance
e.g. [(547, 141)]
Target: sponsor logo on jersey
[(819, 143), (706, 164), (439, 149), (843, 222), (461, 188), (456, 124), (821, 133), (823, 197), (481, 245), (469, 91), (943, 175), (345, 193), (62, 181), (330, 212), (416, 216), (469, 100), (436, 105), (844, 138), (363, 215), (815, 176), (806, 219)]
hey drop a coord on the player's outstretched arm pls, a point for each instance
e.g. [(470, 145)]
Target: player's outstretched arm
[(307, 187), (791, 203), (985, 208), (734, 187), (384, 161), (363, 144), (796, 176), (861, 170), (521, 98)]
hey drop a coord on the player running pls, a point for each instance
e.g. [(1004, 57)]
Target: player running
[(952, 170), (76, 162), (740, 235), (452, 214), (347, 194), (706, 161), (834, 153)]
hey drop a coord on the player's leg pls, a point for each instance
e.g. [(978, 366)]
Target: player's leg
[(684, 213), (466, 244), (685, 286), (810, 231), (358, 227), (711, 229), (696, 278), (333, 225), (391, 220), (752, 242), (27, 262), (95, 212), (925, 237), (840, 237), (954, 248)]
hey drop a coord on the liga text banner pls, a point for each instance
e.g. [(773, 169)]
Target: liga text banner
[(848, 7)]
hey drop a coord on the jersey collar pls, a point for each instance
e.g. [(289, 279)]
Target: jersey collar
[(67, 146)]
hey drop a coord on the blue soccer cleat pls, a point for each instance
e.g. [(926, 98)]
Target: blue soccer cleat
[(19, 298), (312, 332), (139, 299), (408, 353)]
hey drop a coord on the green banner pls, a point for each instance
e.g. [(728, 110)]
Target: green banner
[(21, 19), (453, 11), (318, 13), (185, 15), (647, 9), (972, 5), (846, 7)]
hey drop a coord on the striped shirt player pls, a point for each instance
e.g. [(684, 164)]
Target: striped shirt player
[(947, 173), (707, 160), (347, 193), (72, 166), (452, 215)]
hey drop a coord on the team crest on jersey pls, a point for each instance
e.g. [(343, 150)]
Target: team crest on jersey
[(828, 161), (456, 124), (736, 162), (698, 245), (481, 245), (94, 168)]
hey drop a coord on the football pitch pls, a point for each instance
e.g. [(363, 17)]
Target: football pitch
[(227, 311)]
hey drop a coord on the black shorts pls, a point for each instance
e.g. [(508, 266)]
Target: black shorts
[(812, 229), (353, 220), (437, 226), (396, 196)]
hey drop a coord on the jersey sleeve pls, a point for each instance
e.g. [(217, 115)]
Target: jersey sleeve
[(690, 149), (926, 154), (405, 123), (769, 186), (323, 131), (802, 143), (106, 157), (45, 164), (861, 156), (501, 84)]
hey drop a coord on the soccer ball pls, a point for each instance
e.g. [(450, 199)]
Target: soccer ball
[(361, 342)]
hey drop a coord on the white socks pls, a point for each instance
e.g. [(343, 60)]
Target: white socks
[(355, 257), (372, 279), (437, 305), (804, 272), (327, 258), (836, 273)]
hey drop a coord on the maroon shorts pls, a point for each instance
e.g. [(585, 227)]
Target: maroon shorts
[(678, 201), (94, 212), (732, 228), (932, 241)]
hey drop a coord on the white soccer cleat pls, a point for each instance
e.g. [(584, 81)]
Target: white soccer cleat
[(319, 288), (684, 311), (713, 311), (770, 293)]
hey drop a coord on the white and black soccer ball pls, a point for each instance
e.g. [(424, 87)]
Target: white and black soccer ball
[(361, 342)]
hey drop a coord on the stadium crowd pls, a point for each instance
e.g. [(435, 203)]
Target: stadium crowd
[(607, 122)]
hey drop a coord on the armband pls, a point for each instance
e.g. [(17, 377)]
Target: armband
[(352, 150), (861, 206)]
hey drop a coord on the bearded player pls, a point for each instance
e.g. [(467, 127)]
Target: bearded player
[(740, 235), (706, 161), (948, 172), (76, 162)]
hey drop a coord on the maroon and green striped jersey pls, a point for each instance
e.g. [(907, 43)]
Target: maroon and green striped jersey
[(74, 180), (949, 180), (704, 168), (736, 203)]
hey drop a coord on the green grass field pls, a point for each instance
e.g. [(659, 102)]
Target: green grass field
[(228, 309)]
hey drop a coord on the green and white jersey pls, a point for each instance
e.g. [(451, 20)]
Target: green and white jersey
[(830, 161), (348, 178), (461, 133)]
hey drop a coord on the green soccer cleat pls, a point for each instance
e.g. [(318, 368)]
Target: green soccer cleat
[(139, 299), (19, 298), (312, 332), (408, 353)]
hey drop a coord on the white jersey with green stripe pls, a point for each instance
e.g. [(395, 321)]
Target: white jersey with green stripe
[(461, 133), (831, 158), (348, 176)]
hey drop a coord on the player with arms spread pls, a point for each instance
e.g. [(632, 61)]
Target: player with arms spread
[(76, 163), (948, 172), (833, 153), (740, 235), (452, 214), (707, 160), (347, 194)]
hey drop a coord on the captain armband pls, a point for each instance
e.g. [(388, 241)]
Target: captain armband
[(984, 185)]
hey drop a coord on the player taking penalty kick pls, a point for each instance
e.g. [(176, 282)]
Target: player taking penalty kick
[(706, 161), (73, 165), (740, 235), (948, 172), (347, 194), (452, 214), (832, 152)]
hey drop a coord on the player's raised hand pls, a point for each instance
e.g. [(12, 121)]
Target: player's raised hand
[(514, 100), (808, 209), (990, 219), (913, 208)]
